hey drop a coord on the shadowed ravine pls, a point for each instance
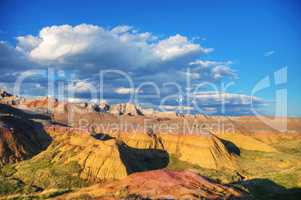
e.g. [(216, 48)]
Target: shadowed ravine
[(138, 160), (21, 135)]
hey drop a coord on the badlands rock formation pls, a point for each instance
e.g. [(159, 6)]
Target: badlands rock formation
[(43, 103), (4, 94), (104, 157), (159, 184), (205, 151), (103, 106), (20, 138), (53, 105), (132, 163), (125, 109), (10, 99)]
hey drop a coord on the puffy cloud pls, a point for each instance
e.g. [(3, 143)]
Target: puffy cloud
[(27, 43), (121, 29), (86, 49), (120, 46), (226, 98), (227, 103), (215, 103), (89, 48), (176, 46), (10, 58), (123, 90), (213, 70), (81, 86), (175, 108), (209, 63), (222, 71), (59, 41), (82, 100)]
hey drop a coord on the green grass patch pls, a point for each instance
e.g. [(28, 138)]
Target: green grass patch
[(7, 170), (45, 174), (220, 176), (8, 186)]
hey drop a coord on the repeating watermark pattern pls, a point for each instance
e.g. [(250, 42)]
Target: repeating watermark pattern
[(279, 120), (186, 96)]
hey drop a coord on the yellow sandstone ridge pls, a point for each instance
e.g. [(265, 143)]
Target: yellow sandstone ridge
[(98, 159), (247, 142), (116, 156), (206, 150)]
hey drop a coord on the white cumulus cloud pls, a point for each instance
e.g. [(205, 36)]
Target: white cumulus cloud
[(124, 90), (176, 46), (213, 70), (81, 86), (213, 97), (95, 44)]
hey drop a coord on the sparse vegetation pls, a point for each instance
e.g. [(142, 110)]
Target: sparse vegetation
[(9, 186), (268, 169), (220, 176), (7, 170), (38, 174), (46, 174)]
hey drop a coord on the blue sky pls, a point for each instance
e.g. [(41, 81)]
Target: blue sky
[(253, 39)]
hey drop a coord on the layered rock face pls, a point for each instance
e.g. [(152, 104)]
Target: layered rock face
[(207, 151), (20, 139), (104, 157), (159, 184), (54, 106), (99, 160), (44, 103), (125, 109)]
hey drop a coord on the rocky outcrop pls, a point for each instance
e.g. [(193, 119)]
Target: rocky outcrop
[(207, 151), (103, 157), (20, 138), (52, 105), (159, 184), (104, 106), (247, 142), (125, 109), (4, 94), (99, 160), (9, 99), (43, 103), (149, 112), (106, 157)]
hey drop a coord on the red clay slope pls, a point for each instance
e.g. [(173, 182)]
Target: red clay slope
[(159, 184)]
